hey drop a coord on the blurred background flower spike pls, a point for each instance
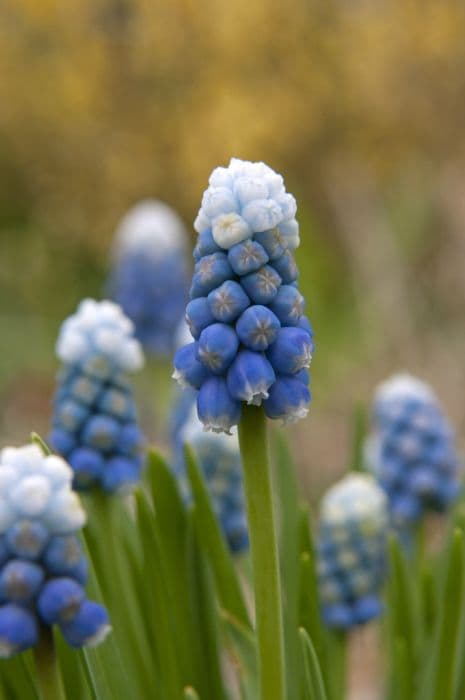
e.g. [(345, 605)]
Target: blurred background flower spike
[(95, 424)]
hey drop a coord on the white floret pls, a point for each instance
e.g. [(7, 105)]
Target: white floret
[(152, 228), (404, 385), (230, 229), (253, 192), (100, 331), (37, 487)]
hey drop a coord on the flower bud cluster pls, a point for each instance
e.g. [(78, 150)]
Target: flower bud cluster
[(351, 551), (412, 450), (251, 341), (95, 423), (149, 275), (43, 570)]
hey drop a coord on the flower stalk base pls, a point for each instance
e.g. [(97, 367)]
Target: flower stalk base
[(265, 561)]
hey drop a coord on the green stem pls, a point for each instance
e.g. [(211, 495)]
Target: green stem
[(337, 662), (48, 672), (265, 561)]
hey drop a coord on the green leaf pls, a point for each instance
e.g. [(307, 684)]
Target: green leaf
[(17, 679), (179, 567), (313, 687), (242, 653), (445, 657), (157, 603), (359, 430), (190, 694), (211, 539), (403, 613)]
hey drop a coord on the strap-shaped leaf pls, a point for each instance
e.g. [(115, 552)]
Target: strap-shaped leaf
[(313, 688), (212, 541)]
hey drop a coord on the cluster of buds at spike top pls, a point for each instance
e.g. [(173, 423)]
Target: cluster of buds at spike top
[(412, 450), (94, 419), (251, 341), (149, 275), (219, 460), (351, 551), (43, 570)]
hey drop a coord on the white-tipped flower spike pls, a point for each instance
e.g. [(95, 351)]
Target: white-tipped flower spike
[(149, 274), (219, 459), (42, 566), (95, 419), (351, 550), (251, 342), (100, 339), (412, 449)]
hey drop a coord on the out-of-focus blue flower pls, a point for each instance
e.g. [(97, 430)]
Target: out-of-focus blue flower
[(245, 301), (351, 551), (412, 450), (94, 417), (149, 274), (42, 566), (219, 460)]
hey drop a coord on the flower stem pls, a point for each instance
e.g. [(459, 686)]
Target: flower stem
[(48, 672), (265, 561)]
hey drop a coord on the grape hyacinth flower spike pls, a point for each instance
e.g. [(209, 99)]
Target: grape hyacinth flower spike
[(43, 570), (149, 273), (412, 450), (249, 357), (351, 551), (219, 461), (95, 425), (251, 342)]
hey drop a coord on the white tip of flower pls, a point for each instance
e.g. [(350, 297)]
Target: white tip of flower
[(256, 195), (31, 495), (151, 228), (356, 496), (100, 330), (229, 229), (64, 513), (194, 433), (180, 379), (404, 385), (294, 416), (183, 336), (97, 638), (38, 487)]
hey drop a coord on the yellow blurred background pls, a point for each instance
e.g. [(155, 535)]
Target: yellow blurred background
[(360, 104)]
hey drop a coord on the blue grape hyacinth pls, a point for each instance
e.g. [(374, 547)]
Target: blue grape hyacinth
[(251, 341), (351, 551), (412, 450), (95, 424), (149, 276), (43, 570)]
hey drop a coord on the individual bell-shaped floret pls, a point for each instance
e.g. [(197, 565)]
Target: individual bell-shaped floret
[(149, 275), (95, 425), (42, 565), (250, 339), (412, 450), (351, 549)]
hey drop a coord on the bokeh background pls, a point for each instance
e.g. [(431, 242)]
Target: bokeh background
[(359, 103)]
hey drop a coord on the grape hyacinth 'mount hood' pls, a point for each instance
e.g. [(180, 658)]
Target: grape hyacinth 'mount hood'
[(351, 551), (149, 273), (412, 450), (94, 419), (252, 343), (43, 570)]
